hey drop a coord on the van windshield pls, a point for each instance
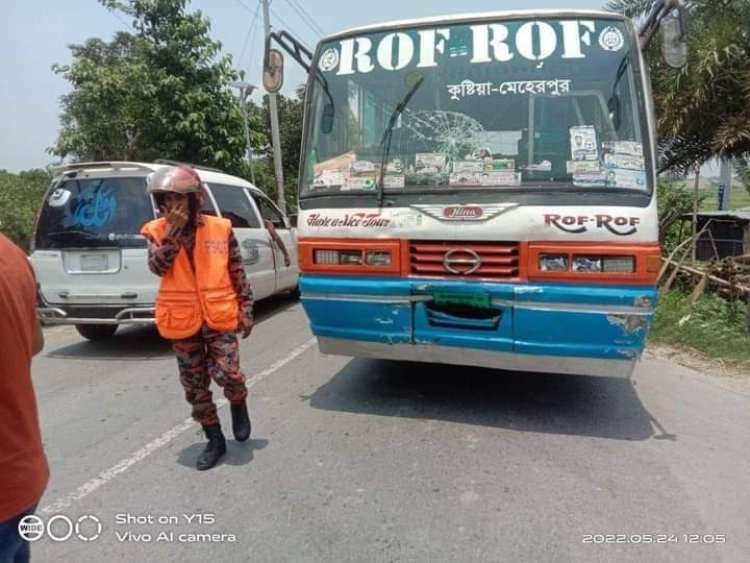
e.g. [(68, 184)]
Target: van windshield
[(94, 212)]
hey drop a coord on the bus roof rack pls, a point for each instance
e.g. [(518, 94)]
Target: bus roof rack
[(190, 164)]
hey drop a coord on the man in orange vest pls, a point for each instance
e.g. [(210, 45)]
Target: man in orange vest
[(204, 299)]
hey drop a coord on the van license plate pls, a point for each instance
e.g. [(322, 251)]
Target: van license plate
[(94, 262)]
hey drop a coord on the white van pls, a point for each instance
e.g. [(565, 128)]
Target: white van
[(91, 262)]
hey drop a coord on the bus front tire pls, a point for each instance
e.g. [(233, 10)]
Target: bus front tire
[(96, 332)]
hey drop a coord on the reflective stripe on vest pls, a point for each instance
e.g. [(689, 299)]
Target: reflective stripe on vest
[(187, 298)]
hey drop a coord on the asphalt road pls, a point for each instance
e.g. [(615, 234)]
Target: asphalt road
[(364, 460)]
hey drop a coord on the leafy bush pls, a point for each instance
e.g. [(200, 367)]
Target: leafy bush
[(674, 200), (713, 326), (20, 197)]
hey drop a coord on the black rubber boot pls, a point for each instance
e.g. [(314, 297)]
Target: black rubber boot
[(240, 421), (216, 447)]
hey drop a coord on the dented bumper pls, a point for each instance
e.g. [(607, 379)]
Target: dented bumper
[(566, 328)]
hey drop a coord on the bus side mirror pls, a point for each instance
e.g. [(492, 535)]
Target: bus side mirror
[(674, 44), (292, 220), (273, 71)]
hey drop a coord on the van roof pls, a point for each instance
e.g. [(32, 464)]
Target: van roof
[(209, 175)]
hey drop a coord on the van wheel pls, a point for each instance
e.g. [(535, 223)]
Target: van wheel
[(96, 332)]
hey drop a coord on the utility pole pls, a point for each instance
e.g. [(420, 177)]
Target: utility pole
[(275, 137), (725, 184), (245, 90), (696, 196)]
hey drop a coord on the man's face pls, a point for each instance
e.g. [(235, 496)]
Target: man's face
[(174, 200)]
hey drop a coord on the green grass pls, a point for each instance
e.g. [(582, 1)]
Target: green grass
[(714, 327), (738, 197)]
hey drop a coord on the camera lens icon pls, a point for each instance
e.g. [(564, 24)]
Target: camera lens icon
[(31, 527), (60, 528)]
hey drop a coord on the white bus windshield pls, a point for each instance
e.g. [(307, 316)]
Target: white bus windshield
[(493, 105)]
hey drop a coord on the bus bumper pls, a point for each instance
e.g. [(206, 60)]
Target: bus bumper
[(538, 327)]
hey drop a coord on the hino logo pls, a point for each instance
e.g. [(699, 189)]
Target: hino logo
[(461, 261), (468, 212)]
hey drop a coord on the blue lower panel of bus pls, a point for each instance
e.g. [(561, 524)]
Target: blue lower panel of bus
[(588, 321)]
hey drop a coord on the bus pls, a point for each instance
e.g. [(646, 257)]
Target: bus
[(481, 189)]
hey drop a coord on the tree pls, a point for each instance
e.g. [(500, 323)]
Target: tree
[(20, 197), (159, 92), (742, 168), (703, 109), (290, 132)]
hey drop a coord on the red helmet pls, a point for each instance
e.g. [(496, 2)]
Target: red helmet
[(177, 179)]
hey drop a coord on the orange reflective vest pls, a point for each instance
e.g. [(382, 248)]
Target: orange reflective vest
[(189, 297)]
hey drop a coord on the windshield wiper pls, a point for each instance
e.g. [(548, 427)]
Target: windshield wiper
[(87, 234), (71, 235), (388, 135)]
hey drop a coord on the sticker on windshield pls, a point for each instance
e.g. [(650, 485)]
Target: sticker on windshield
[(583, 143), (623, 147), (362, 166), (466, 178), (590, 179), (468, 166), (329, 60), (495, 178), (59, 198), (501, 178), (543, 166), (499, 164), (364, 182), (482, 153), (395, 166), (328, 179), (619, 178), (394, 181), (611, 39), (94, 208), (430, 163), (582, 166), (485, 165), (629, 162)]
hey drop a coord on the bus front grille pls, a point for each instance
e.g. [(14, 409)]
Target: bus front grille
[(464, 259)]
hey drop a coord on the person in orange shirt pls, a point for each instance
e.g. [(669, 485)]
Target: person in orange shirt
[(24, 472), (204, 299)]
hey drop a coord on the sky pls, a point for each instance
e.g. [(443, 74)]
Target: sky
[(37, 32)]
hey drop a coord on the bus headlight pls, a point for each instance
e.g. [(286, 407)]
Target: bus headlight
[(553, 262), (609, 264), (338, 257), (380, 258), (345, 257)]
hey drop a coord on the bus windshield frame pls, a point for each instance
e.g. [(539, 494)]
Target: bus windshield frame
[(506, 105)]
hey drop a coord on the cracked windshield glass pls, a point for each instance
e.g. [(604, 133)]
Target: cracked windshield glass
[(496, 106)]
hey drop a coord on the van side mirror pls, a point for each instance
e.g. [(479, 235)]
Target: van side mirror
[(674, 44), (273, 71), (292, 220)]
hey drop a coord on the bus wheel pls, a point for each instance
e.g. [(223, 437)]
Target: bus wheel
[(96, 332)]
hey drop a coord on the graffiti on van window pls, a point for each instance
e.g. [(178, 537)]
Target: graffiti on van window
[(93, 208)]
